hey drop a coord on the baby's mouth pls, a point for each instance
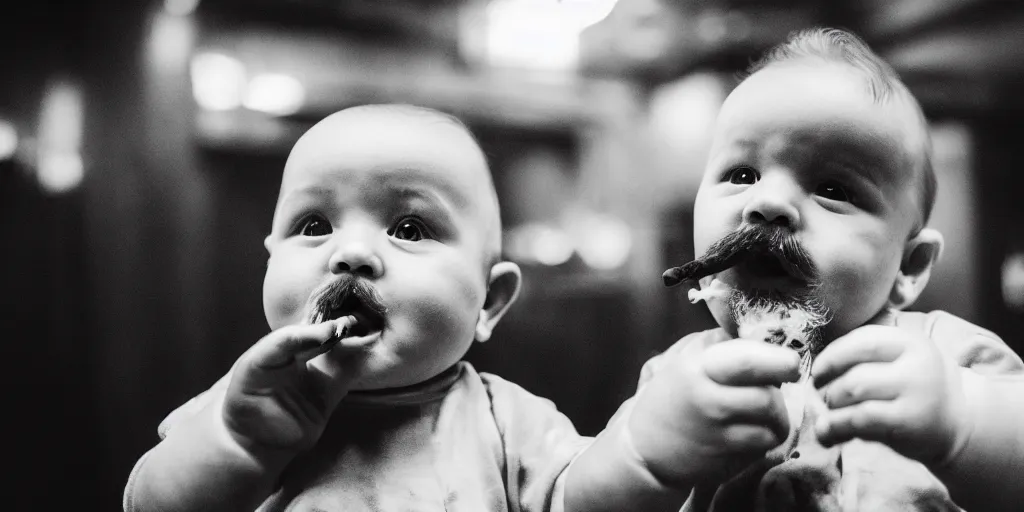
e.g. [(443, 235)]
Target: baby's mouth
[(368, 319), (350, 298), (766, 271)]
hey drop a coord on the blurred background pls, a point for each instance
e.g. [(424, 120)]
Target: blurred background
[(141, 144)]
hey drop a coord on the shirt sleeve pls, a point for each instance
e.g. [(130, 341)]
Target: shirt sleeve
[(992, 379), (539, 444), (186, 410), (969, 345), (647, 372)]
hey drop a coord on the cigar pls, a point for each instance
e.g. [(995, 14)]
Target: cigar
[(703, 267), (338, 335)]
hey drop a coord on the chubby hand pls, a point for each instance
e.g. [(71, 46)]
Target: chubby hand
[(712, 410), (893, 386), (282, 391)]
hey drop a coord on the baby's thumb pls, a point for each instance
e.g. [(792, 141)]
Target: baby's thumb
[(333, 373), (288, 344)]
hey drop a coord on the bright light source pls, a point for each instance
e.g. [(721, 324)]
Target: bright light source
[(8, 140), (218, 81), (584, 13), (1013, 281), (180, 7), (274, 94), (541, 34), (529, 33), (59, 164), (60, 172), (681, 115), (538, 243), (170, 42), (551, 247), (684, 111), (604, 242)]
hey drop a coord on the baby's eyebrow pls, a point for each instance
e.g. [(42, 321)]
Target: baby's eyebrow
[(871, 156), (860, 156), (304, 194)]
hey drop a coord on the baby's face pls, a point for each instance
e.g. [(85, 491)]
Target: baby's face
[(402, 202), (802, 144)]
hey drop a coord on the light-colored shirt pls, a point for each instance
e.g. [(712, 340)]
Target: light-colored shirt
[(463, 441), (857, 475)]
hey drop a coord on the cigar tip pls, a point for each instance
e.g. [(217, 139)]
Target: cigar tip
[(671, 277)]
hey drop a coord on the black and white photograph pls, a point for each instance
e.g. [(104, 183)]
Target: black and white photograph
[(512, 255)]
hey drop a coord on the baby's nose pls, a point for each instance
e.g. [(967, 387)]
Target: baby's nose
[(356, 257), (774, 201)]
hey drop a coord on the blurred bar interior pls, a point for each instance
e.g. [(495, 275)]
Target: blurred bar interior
[(141, 144)]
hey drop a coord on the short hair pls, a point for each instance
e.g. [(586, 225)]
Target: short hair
[(882, 82)]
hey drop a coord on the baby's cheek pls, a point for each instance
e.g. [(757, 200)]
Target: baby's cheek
[(450, 311), (451, 301), (283, 303), (858, 285)]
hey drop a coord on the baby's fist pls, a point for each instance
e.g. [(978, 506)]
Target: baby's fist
[(712, 410), (284, 388), (893, 386)]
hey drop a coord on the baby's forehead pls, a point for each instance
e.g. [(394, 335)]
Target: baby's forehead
[(370, 123), (377, 137), (823, 108), (380, 185), (376, 152)]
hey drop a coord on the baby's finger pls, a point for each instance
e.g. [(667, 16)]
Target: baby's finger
[(751, 363), (341, 327), (283, 346), (754, 405), (752, 439), (355, 344), (872, 420), (868, 344), (868, 381), (337, 361), (332, 373)]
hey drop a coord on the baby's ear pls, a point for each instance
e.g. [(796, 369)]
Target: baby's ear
[(502, 291), (919, 256)]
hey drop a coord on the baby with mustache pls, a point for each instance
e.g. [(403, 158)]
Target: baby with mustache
[(812, 222), (385, 266)]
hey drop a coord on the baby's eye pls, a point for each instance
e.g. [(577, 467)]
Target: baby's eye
[(315, 225), (742, 176), (834, 191), (410, 229)]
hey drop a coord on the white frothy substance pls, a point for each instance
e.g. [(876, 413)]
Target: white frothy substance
[(780, 325), (788, 328), (716, 289)]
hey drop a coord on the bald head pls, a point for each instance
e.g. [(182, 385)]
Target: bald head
[(881, 83), (401, 142)]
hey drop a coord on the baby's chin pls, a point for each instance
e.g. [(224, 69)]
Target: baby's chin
[(398, 361), (725, 318), (381, 372)]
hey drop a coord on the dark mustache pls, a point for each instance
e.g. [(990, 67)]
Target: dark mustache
[(749, 241), (332, 295)]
